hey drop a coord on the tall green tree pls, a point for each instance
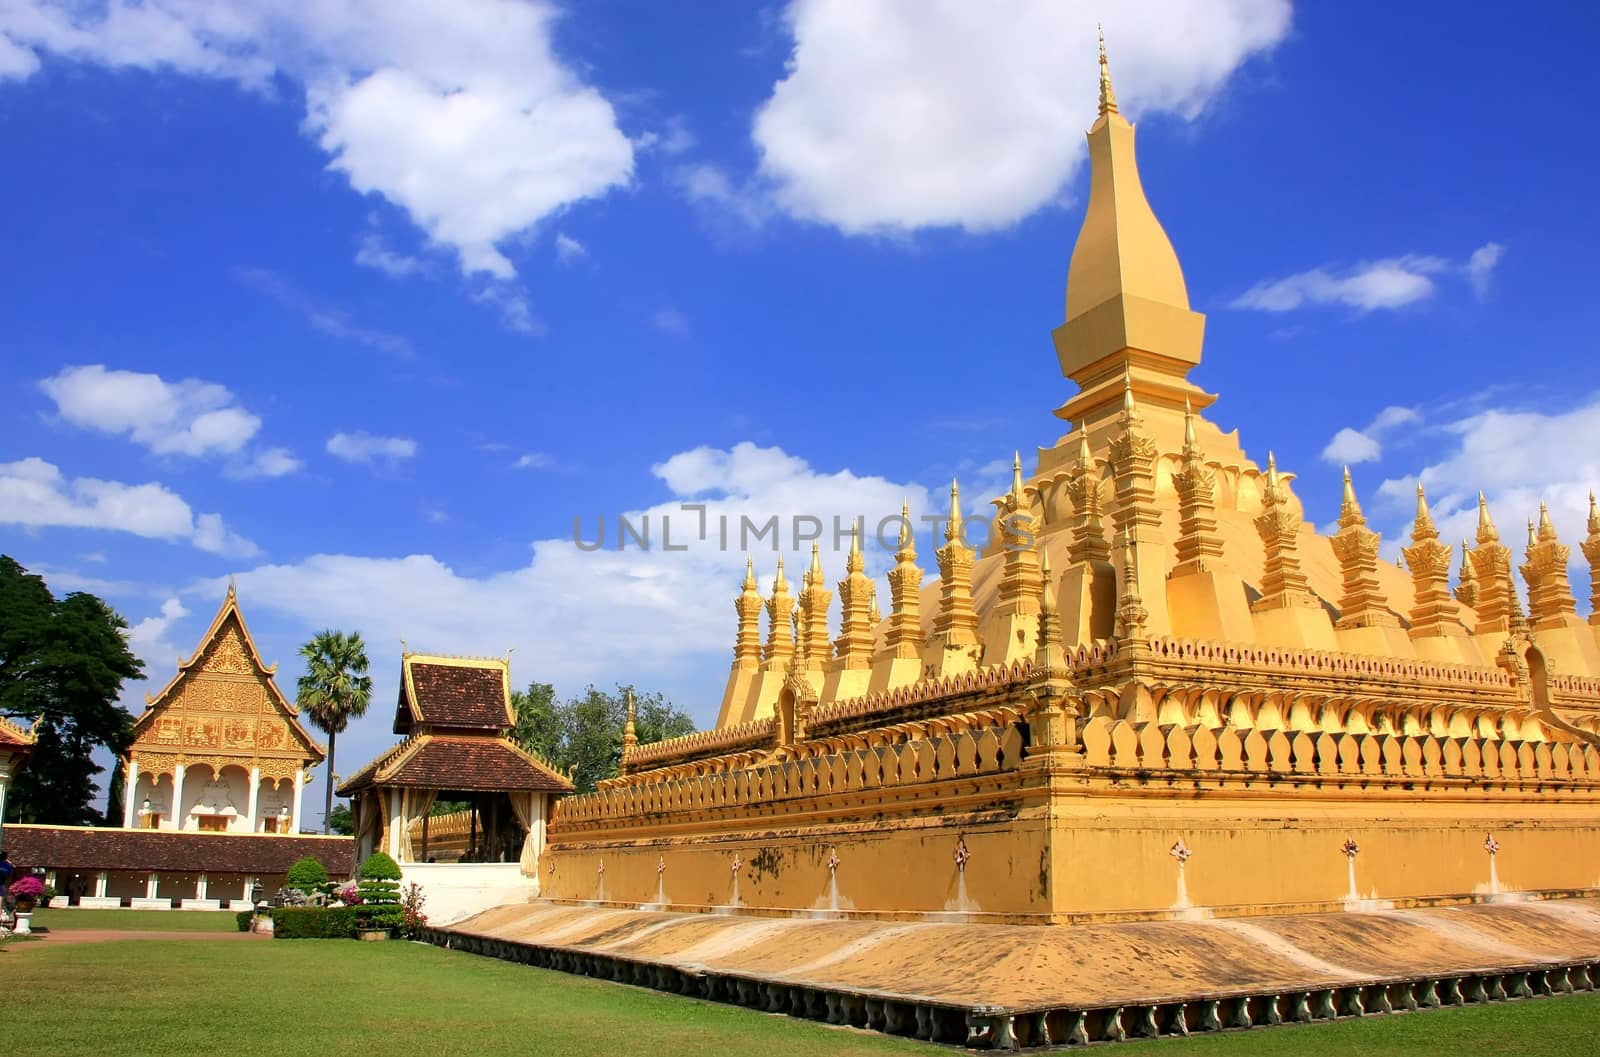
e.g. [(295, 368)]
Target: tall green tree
[(584, 733), (538, 726), (335, 689), (62, 663)]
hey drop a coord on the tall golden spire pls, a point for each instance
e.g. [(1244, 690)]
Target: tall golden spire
[(1550, 600), (1467, 585), (813, 645), (1362, 602), (954, 645), (1198, 543), (1108, 97), (747, 643), (903, 637), (780, 630), (630, 738), (857, 593), (1433, 611), (1127, 302), (1591, 551)]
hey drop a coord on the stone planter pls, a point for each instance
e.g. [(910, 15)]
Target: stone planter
[(23, 928), (372, 935)]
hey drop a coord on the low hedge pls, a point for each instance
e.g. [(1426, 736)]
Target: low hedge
[(243, 919), (331, 923)]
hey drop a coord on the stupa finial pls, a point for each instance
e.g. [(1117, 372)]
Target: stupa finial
[(1532, 538), (908, 545), (1423, 529), (855, 562), (952, 527), (1274, 490), (815, 572), (749, 574), (1016, 474), (1128, 409), (1188, 426), (1594, 516), (1108, 97), (1349, 506), (1047, 602), (1487, 533), (779, 583), (1547, 528)]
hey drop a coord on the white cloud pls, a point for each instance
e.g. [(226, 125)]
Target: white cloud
[(361, 446), (903, 114), (1509, 454), (571, 613), (1370, 286), (35, 493), (534, 460), (374, 253), (1350, 446), (1480, 266), (675, 139), (148, 638), (275, 462), (509, 299), (670, 322), (189, 417), (461, 114), (569, 249), (330, 321)]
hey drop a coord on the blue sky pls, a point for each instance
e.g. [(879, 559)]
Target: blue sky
[(364, 306)]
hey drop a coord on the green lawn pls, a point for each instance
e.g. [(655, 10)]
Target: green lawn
[(283, 998), (152, 920)]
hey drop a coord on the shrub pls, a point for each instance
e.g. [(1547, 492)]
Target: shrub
[(379, 893), (412, 919), (27, 887), (379, 867), (306, 875), (332, 923), (243, 919)]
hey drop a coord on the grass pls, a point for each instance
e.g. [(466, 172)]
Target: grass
[(284, 998), (149, 920)]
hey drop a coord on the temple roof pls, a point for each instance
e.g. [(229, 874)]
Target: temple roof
[(458, 762), (83, 848), (460, 693), (227, 650), (13, 736)]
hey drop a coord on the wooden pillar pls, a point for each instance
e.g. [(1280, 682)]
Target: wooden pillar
[(472, 839), (425, 834)]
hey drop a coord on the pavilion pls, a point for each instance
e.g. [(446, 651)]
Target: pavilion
[(455, 715)]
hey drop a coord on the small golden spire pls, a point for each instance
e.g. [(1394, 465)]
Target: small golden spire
[(1188, 426), (1594, 516), (1547, 529), (1016, 474), (1487, 533), (1085, 457), (1128, 410), (630, 737), (1047, 601), (1274, 493), (908, 549), (855, 562), (779, 584), (1350, 506), (1467, 575), (749, 574), (1108, 97), (873, 614), (1424, 526), (1531, 538), (814, 574), (952, 527)]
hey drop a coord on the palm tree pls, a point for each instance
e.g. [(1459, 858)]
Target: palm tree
[(335, 689)]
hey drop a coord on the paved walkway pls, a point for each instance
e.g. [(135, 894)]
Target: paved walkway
[(63, 937)]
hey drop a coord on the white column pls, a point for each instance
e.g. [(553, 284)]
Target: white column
[(130, 790), (100, 881), (150, 885), (255, 800), (177, 798), (249, 883), (5, 781), (200, 887), (299, 792)]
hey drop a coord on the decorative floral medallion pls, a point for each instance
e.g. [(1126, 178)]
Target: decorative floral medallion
[(1180, 851), (961, 854), (1350, 848)]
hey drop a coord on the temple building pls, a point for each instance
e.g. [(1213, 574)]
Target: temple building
[(16, 744), (220, 748), (1157, 690)]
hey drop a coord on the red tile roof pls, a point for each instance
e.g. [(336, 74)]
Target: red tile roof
[(83, 848), (461, 695), (458, 762), (13, 735)]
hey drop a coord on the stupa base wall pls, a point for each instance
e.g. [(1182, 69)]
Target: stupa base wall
[(1096, 849), (1066, 984)]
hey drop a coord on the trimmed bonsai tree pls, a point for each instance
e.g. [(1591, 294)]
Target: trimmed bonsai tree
[(305, 875), (380, 881)]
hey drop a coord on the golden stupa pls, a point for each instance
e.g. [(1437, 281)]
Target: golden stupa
[(1156, 658)]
